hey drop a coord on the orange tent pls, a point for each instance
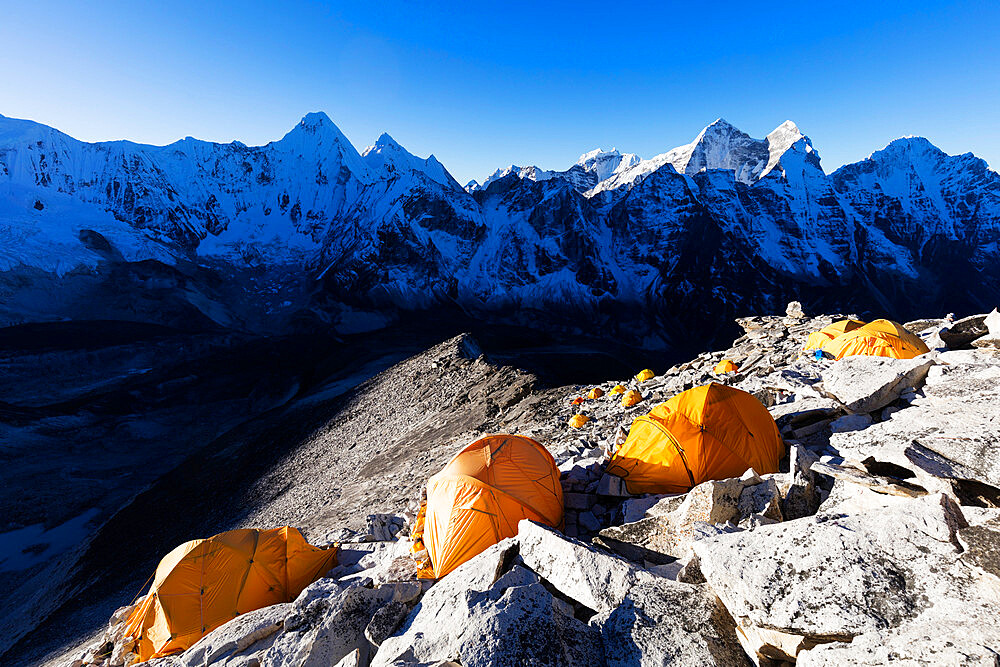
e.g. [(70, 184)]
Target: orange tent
[(576, 421), (630, 398), (709, 432), (204, 583), (482, 494), (596, 392), (818, 339), (881, 338), (618, 389), (725, 366)]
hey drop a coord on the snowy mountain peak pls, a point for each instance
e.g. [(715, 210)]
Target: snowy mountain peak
[(909, 145), (597, 154), (720, 126), (788, 127), (389, 159), (532, 173), (384, 141), (472, 186), (720, 145), (315, 120), (605, 164), (318, 127), (782, 139), (318, 140)]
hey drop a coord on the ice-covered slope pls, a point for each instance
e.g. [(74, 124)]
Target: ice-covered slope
[(722, 224)]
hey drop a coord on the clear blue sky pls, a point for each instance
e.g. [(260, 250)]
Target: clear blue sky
[(482, 85)]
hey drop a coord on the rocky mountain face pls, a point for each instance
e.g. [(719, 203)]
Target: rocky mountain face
[(306, 231), (874, 543)]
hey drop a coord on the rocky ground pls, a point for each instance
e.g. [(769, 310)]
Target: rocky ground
[(877, 541)]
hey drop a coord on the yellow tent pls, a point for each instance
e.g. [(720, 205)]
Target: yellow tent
[(596, 392), (881, 338), (645, 374), (618, 389), (204, 583), (725, 366), (818, 339), (482, 494), (709, 432), (630, 398), (576, 421)]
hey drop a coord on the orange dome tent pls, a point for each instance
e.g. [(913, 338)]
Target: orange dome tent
[(818, 339), (596, 392), (576, 421), (204, 583), (725, 366), (482, 494), (630, 398), (881, 338), (709, 432)]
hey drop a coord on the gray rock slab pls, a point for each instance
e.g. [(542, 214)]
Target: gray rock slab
[(236, 636), (330, 625), (596, 580), (634, 509), (962, 332), (952, 431), (385, 621), (865, 384), (982, 546), (648, 540), (833, 578), (943, 641), (665, 622), (886, 485), (850, 423), (514, 621)]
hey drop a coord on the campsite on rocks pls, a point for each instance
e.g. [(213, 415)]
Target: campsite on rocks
[(280, 389), (867, 530)]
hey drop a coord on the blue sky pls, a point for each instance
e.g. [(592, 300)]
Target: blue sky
[(483, 85)]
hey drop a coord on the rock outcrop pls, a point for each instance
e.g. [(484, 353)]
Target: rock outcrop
[(875, 542)]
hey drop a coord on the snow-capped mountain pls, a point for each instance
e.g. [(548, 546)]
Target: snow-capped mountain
[(606, 164), (718, 146), (388, 158), (306, 229)]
